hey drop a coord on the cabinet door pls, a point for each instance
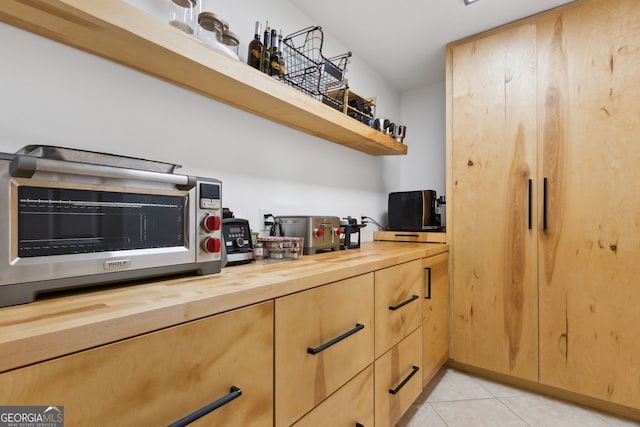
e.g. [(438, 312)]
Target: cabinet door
[(494, 133), (350, 406), (398, 381), (435, 325), (398, 303), (589, 274), (161, 377), (323, 338)]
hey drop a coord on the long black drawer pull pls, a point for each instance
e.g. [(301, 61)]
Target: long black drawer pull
[(403, 303), (428, 290), (234, 392), (530, 216), (406, 380), (335, 340), (545, 191)]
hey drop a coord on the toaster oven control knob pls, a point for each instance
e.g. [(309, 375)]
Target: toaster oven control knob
[(318, 232), (211, 245), (338, 231), (211, 223)]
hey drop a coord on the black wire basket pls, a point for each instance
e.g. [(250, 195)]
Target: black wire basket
[(308, 70)]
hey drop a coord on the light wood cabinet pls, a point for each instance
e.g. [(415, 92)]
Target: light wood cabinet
[(494, 275), (398, 381), (161, 377), (398, 308), (589, 116), (435, 322), (350, 406), (553, 99), (323, 338)]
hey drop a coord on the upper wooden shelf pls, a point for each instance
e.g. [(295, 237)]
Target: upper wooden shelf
[(123, 33)]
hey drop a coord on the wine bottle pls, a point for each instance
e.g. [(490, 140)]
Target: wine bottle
[(265, 60), (255, 49), (281, 55), (274, 65)]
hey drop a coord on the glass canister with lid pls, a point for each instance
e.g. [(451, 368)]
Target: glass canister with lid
[(210, 28), (183, 14), (231, 40)]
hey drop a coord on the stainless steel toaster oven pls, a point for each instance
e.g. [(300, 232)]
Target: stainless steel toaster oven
[(72, 218)]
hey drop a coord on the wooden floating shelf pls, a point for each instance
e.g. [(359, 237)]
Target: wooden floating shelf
[(125, 34)]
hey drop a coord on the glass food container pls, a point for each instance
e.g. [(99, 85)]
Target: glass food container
[(210, 28), (183, 14)]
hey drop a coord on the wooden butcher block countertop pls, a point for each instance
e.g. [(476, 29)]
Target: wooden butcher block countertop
[(56, 325)]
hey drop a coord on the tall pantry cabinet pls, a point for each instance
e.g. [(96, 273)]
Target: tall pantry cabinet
[(544, 123)]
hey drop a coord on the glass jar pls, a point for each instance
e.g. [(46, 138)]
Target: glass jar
[(183, 14), (210, 27), (231, 40)]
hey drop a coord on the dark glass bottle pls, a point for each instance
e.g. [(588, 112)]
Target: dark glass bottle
[(281, 55), (265, 60), (254, 54), (274, 66)]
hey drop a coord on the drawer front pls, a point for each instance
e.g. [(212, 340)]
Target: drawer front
[(435, 325), (305, 323), (398, 302), (351, 405), (161, 377), (398, 380)]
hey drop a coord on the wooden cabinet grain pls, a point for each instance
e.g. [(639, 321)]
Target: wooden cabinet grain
[(589, 110), (398, 380), (161, 377), (398, 308), (493, 250), (553, 99), (350, 406), (435, 321), (323, 338)]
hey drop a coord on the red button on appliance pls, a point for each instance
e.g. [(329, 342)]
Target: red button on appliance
[(211, 245), (211, 223)]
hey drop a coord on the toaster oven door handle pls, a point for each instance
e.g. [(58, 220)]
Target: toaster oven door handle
[(27, 166)]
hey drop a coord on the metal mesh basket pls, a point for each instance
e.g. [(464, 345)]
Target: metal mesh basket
[(307, 69)]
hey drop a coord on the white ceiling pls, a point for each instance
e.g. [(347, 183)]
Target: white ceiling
[(404, 40)]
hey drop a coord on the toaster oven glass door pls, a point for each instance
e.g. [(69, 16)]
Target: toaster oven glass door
[(57, 221)]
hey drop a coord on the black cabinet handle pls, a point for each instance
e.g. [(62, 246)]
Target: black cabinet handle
[(544, 203), (359, 425), (234, 392), (335, 340), (427, 294), (403, 303), (406, 380), (407, 235), (530, 204)]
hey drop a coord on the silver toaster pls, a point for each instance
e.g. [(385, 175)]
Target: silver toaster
[(320, 233)]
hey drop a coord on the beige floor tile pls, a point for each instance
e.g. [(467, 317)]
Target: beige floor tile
[(477, 413), (421, 416), (541, 411), (453, 385), (616, 421), (501, 390)]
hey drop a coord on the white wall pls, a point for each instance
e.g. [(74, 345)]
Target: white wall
[(423, 112), (55, 95)]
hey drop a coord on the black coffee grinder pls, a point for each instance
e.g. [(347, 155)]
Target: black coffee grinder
[(350, 237)]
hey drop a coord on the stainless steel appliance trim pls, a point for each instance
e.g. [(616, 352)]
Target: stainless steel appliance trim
[(27, 166)]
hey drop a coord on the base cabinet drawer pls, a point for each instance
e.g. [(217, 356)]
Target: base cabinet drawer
[(350, 406), (161, 377), (398, 303), (398, 380), (323, 338)]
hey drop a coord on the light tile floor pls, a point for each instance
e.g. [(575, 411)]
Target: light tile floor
[(458, 399)]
